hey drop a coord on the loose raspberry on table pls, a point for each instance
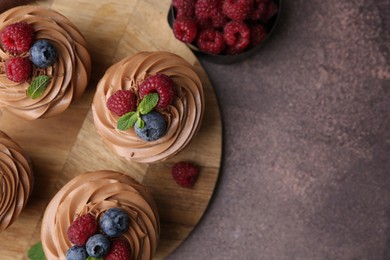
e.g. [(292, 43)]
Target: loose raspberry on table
[(18, 69), (237, 34), (161, 84), (260, 8), (237, 9), (272, 10), (185, 173), (122, 102), (120, 250), (258, 34), (184, 8), (205, 8), (185, 29), (211, 41), (17, 37), (81, 229)]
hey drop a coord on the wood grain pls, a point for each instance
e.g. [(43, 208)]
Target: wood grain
[(68, 144)]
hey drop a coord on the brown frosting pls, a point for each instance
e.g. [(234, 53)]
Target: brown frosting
[(70, 74), (94, 193), (183, 116), (15, 180)]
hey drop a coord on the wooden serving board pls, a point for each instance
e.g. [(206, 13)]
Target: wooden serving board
[(67, 145)]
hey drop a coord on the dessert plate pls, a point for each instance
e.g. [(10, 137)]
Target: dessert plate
[(67, 145)]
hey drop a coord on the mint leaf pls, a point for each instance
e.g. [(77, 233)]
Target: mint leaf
[(93, 258), (148, 103), (38, 85), (140, 123), (127, 120), (36, 252)]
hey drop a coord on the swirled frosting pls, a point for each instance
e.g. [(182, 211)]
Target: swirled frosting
[(69, 75), (94, 193), (183, 116), (15, 180)]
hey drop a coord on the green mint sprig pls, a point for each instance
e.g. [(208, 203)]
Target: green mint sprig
[(38, 86), (93, 258), (36, 252), (146, 106)]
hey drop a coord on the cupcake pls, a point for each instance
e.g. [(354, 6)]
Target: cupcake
[(44, 62), (15, 180), (78, 220), (148, 107)]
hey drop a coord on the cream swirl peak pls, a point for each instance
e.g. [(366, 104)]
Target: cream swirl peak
[(15, 180), (69, 75), (183, 115), (94, 193)]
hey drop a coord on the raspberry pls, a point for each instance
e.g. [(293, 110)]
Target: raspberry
[(163, 85), (122, 102), (120, 250), (205, 8), (218, 18), (258, 33), (17, 37), (81, 229), (184, 8), (272, 10), (185, 29), (237, 9), (211, 41), (18, 69), (260, 8), (185, 174), (237, 34)]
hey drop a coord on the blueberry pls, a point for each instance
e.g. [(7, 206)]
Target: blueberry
[(98, 246), (154, 127), (43, 54), (76, 253), (114, 222)]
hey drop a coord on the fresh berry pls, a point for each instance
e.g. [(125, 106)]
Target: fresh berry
[(185, 174), (185, 29), (218, 18), (237, 9), (184, 8), (114, 222), (17, 37), (205, 8), (163, 85), (211, 41), (272, 10), (43, 54), (18, 69), (259, 10), (122, 102), (120, 250), (258, 34), (76, 253), (237, 34), (154, 127), (81, 229), (98, 246)]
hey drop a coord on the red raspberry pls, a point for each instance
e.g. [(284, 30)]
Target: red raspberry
[(163, 85), (17, 37), (210, 41), (258, 33), (237, 9), (205, 8), (122, 102), (185, 174), (237, 34), (272, 10), (260, 8), (120, 250), (185, 29), (81, 229), (184, 8), (218, 18), (18, 69)]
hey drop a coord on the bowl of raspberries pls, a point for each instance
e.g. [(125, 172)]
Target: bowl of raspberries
[(224, 31)]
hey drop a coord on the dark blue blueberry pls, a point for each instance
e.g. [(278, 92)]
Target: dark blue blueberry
[(76, 253), (114, 222), (43, 54), (98, 246), (154, 127)]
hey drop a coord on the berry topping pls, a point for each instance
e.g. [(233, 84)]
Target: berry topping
[(184, 8), (237, 9), (154, 127), (122, 102), (258, 33), (17, 38), (76, 253), (114, 222), (18, 69), (98, 246), (237, 34), (185, 174), (163, 85), (211, 41), (81, 229), (120, 250), (185, 29), (260, 8), (43, 54)]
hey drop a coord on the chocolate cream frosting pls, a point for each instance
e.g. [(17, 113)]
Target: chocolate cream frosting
[(70, 74), (183, 116), (94, 193), (15, 180)]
